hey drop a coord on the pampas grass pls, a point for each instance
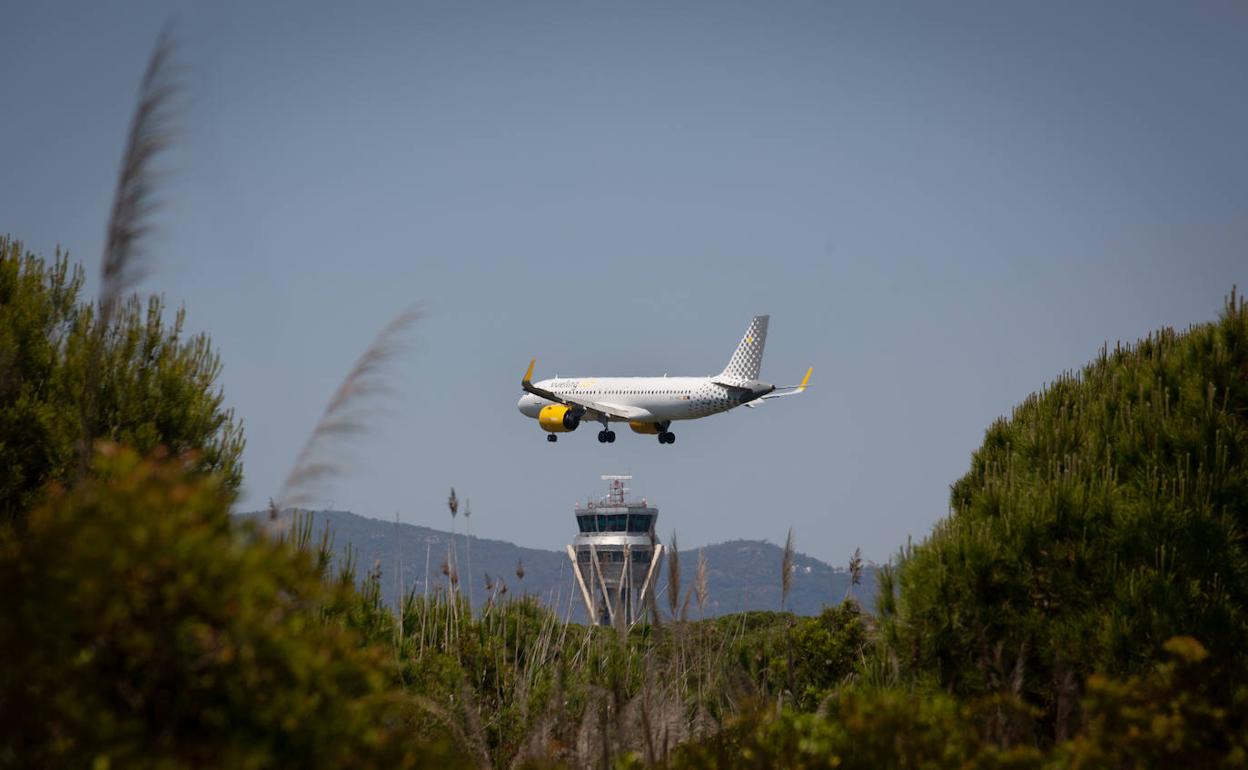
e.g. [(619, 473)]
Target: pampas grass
[(855, 572), (345, 413), (673, 577), (134, 201), (701, 587), (786, 570)]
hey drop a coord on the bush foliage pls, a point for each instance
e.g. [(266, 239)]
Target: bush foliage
[(1106, 516), (1171, 716), (145, 385), (1082, 606), (143, 629)]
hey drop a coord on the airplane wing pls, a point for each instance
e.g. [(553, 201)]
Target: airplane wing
[(788, 390), (611, 410)]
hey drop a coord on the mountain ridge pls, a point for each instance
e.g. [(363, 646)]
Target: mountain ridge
[(742, 575)]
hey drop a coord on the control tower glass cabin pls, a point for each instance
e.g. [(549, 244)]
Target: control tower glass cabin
[(616, 556)]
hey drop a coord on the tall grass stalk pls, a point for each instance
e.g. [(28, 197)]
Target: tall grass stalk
[(134, 202), (346, 411)]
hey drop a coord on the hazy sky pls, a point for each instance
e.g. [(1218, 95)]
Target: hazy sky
[(942, 206)]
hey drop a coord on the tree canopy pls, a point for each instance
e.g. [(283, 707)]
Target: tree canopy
[(144, 628), (1104, 517), (65, 381)]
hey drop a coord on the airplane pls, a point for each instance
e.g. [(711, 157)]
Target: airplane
[(651, 404)]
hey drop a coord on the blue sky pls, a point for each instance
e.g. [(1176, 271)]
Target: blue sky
[(942, 206)]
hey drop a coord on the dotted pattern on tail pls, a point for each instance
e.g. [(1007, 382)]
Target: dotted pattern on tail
[(709, 399), (747, 362)]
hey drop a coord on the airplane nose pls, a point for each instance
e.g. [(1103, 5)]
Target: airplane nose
[(527, 406)]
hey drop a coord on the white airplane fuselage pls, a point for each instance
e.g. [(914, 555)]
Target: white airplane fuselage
[(652, 404), (660, 398)]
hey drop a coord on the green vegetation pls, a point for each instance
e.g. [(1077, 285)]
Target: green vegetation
[(1104, 518), (1169, 717), (144, 385), (1082, 606), (141, 629), (513, 680)]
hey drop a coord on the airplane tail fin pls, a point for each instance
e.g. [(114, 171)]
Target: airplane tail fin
[(747, 362)]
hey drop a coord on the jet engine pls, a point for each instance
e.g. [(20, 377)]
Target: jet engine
[(650, 428), (557, 418)]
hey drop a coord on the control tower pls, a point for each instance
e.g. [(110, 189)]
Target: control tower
[(616, 556)]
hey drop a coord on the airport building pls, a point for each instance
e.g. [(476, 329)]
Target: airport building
[(616, 556)]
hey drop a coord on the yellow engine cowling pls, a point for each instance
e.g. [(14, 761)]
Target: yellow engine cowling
[(557, 418), (644, 427)]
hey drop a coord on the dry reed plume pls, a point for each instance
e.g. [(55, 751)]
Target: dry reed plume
[(701, 588), (855, 572), (786, 570), (134, 201), (673, 577), (345, 414)]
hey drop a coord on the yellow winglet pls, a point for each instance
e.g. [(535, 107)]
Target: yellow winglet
[(805, 380), (528, 376)]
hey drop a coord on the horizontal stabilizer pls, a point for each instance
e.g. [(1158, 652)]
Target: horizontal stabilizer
[(788, 390)]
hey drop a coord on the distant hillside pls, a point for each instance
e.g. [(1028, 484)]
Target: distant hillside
[(742, 574)]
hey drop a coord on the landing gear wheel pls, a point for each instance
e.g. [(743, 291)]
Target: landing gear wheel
[(610, 436), (552, 438), (602, 436), (667, 437)]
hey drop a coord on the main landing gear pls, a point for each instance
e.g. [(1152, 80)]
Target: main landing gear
[(606, 435), (667, 437), (552, 438)]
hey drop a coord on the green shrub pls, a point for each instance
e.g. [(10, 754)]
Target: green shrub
[(1171, 716), (888, 729), (1103, 518), (826, 650), (142, 630), (1174, 716), (148, 386)]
